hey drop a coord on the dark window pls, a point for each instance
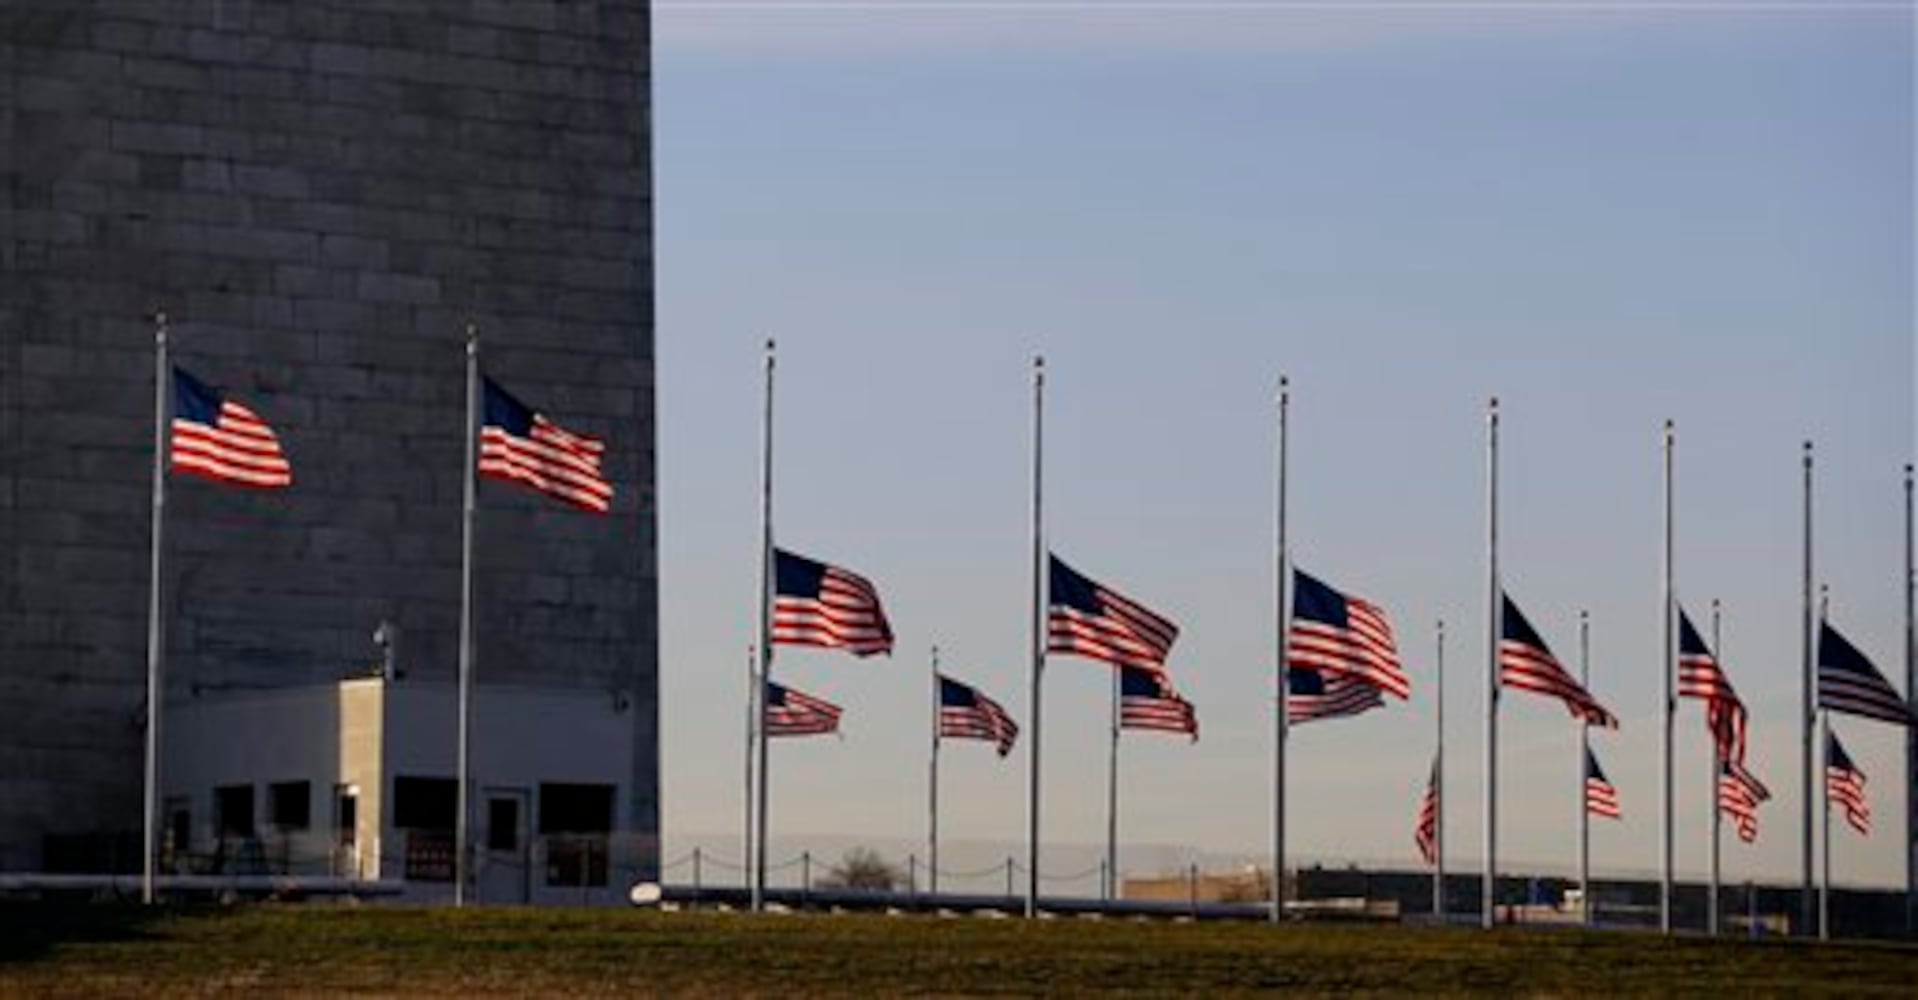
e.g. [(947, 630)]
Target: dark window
[(346, 813), (575, 819), (429, 855), (566, 808), (233, 810), (502, 824), (181, 828), (576, 859), (290, 804), (425, 803)]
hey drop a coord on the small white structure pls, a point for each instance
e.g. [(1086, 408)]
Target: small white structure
[(357, 779)]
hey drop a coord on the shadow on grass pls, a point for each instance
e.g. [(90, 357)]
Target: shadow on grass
[(30, 931)]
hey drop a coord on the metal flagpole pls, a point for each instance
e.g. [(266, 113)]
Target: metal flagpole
[(1438, 783), (1038, 626), (1495, 616), (461, 818), (1584, 749), (765, 628), (932, 788), (752, 738), (1711, 800), (1824, 789), (156, 607), (1807, 680), (1668, 665), (1112, 797), (1911, 732), (1824, 881), (1281, 587)]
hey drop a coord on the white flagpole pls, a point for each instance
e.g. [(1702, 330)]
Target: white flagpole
[(932, 789), (1281, 613), (1668, 665), (1824, 790), (1808, 680), (468, 516), (1038, 626), (752, 740), (765, 630), (1495, 620), (156, 606), (1112, 797), (1911, 732), (1711, 800), (1438, 782), (1824, 881), (1584, 749)]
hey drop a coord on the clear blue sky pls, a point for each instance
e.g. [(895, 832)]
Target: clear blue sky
[(1605, 216)]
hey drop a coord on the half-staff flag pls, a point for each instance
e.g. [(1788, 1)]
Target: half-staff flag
[(1849, 683), (1739, 795), (217, 438), (1086, 619), (1426, 833), (795, 713), (1701, 676), (1146, 701), (1526, 663), (965, 713), (1324, 694), (1845, 784), (1601, 799), (1337, 633), (819, 605), (520, 445)]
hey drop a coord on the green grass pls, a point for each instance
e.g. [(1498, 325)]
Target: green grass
[(73, 951)]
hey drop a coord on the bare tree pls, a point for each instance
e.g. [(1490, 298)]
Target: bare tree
[(864, 869)]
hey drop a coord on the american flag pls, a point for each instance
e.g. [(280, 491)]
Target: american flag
[(1845, 785), (1739, 795), (1336, 633), (1524, 662), (1146, 701), (819, 605), (1700, 676), (1848, 683), (795, 713), (1087, 619), (1319, 694), (520, 445), (1601, 799), (219, 439), (1426, 833), (966, 713)]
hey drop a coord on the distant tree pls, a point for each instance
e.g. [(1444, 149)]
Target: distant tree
[(864, 869)]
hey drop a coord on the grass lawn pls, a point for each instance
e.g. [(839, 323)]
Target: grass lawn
[(84, 951)]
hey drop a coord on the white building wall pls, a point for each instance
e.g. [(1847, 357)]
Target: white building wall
[(364, 733)]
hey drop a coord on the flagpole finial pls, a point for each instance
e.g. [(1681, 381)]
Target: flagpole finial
[(472, 338), (771, 345), (1584, 616), (1038, 362), (1670, 428)]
